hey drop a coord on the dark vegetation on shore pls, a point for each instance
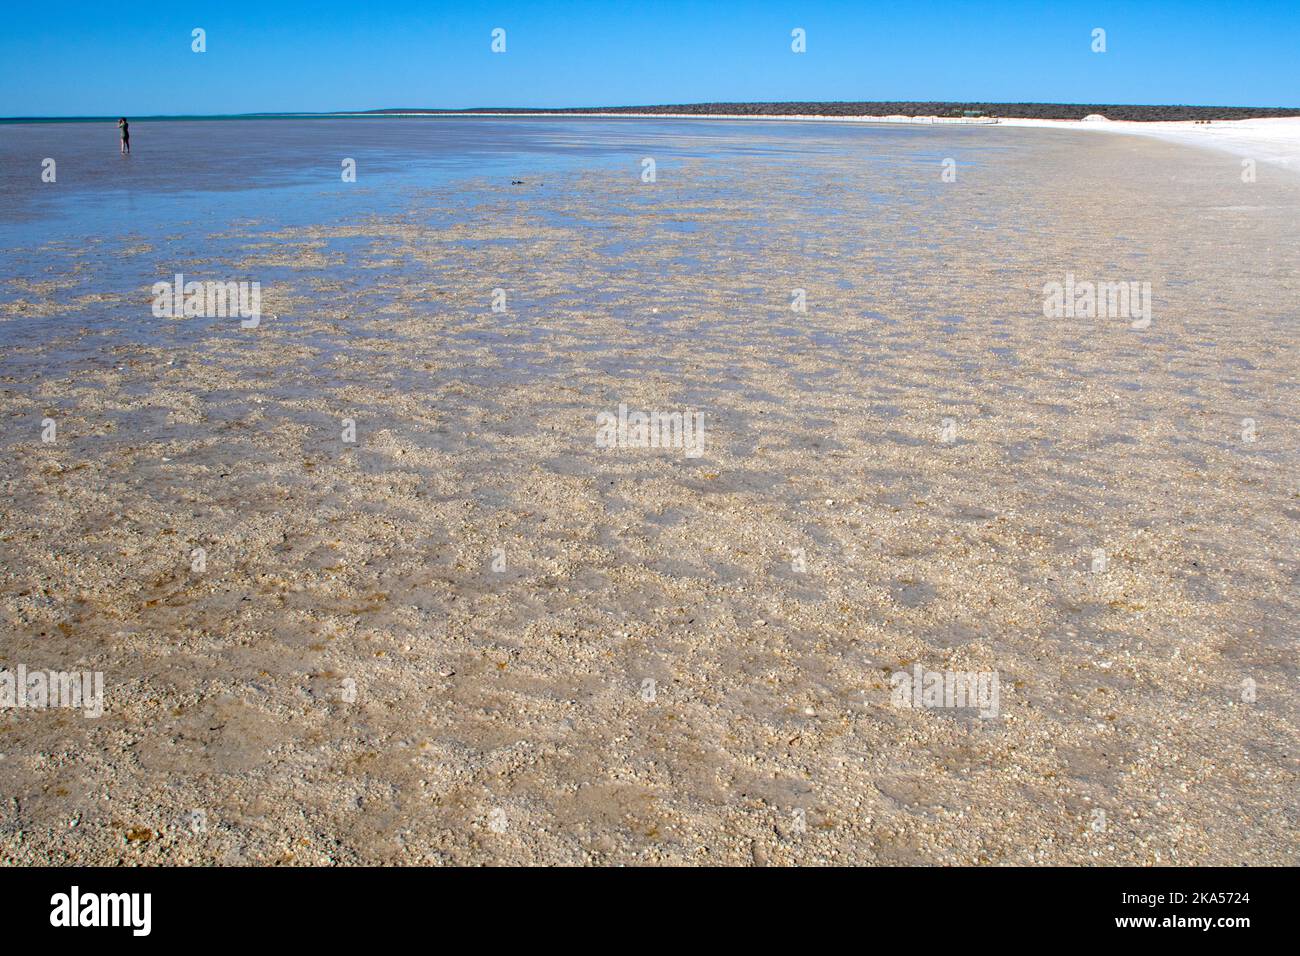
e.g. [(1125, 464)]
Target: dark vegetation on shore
[(1017, 110)]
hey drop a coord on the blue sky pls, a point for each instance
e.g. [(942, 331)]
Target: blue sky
[(74, 58)]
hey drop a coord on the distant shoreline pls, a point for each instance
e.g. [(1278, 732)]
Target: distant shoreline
[(895, 111), (941, 110)]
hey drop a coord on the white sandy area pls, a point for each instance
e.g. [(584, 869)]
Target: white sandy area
[(1273, 140)]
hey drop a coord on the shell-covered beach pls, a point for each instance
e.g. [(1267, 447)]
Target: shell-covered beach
[(365, 588)]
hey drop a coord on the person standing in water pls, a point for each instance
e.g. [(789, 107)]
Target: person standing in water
[(125, 127)]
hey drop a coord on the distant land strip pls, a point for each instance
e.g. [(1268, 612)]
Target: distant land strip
[(1059, 111), (1050, 111)]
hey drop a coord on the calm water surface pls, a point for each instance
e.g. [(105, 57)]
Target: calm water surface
[(207, 174)]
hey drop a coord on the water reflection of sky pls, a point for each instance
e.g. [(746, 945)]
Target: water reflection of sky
[(190, 175), (207, 193)]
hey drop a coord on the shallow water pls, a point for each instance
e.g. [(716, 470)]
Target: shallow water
[(211, 188), (519, 689), (288, 170)]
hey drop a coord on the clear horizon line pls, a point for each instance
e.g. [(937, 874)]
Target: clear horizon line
[(372, 111)]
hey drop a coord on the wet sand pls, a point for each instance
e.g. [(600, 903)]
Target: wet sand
[(350, 681)]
